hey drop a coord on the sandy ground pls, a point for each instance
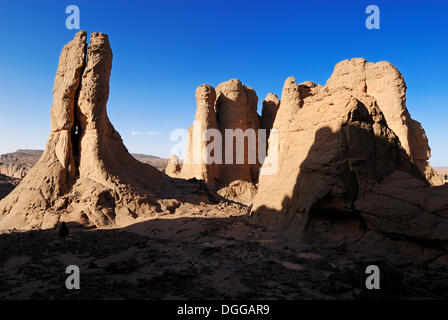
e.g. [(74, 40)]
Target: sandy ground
[(197, 257)]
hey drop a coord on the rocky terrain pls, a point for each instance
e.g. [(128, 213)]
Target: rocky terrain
[(201, 257), (7, 184), (352, 186)]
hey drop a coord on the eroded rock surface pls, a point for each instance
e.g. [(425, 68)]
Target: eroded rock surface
[(205, 119), (232, 107), (270, 107), (384, 82), (343, 175), (174, 166), (85, 172)]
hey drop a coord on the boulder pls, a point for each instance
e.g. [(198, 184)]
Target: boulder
[(239, 191), (236, 107), (174, 166)]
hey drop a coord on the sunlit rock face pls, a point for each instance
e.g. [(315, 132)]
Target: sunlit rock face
[(85, 172)]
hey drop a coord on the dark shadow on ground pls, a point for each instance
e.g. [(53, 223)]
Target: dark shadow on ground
[(197, 258)]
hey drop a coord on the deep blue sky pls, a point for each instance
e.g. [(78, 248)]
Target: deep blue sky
[(164, 49)]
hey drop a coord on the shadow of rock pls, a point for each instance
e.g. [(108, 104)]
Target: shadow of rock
[(356, 187), (197, 258)]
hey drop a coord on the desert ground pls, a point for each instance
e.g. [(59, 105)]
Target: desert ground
[(201, 257)]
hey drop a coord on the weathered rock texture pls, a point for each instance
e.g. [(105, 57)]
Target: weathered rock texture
[(85, 172), (270, 107), (174, 166), (384, 82), (205, 119), (240, 191), (233, 106), (17, 164), (236, 107), (343, 174)]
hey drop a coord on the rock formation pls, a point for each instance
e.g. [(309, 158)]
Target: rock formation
[(205, 119), (443, 173), (174, 166), (85, 171), (270, 107), (239, 191), (343, 174), (232, 107), (384, 82), (352, 163), (236, 107)]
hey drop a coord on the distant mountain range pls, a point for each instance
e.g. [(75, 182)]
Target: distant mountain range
[(17, 164)]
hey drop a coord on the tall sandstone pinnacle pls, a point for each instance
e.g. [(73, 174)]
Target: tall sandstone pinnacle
[(232, 106), (236, 107), (85, 172), (269, 111), (205, 119), (343, 174)]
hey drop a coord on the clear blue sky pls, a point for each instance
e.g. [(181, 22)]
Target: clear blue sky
[(164, 49)]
